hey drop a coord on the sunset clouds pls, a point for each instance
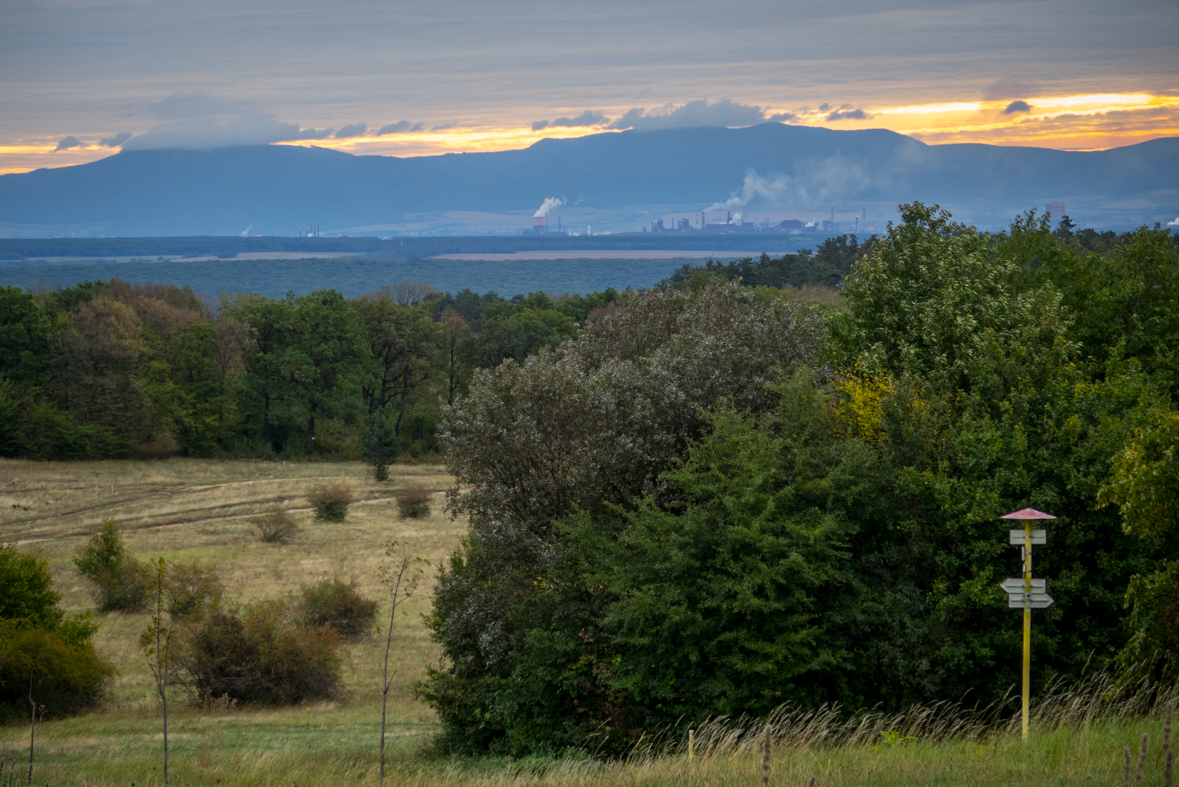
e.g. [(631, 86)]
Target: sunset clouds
[(457, 75)]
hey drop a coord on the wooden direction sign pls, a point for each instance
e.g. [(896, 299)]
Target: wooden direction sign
[(1019, 537), (1015, 585), (1034, 601)]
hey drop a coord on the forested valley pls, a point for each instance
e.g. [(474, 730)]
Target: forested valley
[(763, 483)]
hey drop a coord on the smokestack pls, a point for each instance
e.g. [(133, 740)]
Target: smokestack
[(538, 224)]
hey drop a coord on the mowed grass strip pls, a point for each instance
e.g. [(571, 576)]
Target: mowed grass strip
[(178, 509)]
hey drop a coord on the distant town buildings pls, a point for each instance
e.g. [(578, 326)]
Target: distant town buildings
[(731, 223)]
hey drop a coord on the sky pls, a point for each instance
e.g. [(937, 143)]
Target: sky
[(83, 79)]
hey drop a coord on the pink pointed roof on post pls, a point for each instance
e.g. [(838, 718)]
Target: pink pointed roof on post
[(1027, 513)]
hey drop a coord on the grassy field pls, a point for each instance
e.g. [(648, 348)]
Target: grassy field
[(199, 510)]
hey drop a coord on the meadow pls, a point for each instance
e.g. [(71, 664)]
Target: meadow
[(199, 510)]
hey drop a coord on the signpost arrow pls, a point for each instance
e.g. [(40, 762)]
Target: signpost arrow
[(1034, 600), (1015, 585)]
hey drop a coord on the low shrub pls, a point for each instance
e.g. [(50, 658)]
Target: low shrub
[(413, 503), (120, 582), (330, 502), (276, 526), (264, 655), (193, 590), (337, 604)]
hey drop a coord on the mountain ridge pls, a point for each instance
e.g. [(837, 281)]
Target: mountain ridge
[(275, 188)]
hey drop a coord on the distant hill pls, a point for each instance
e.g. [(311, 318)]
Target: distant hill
[(274, 189)]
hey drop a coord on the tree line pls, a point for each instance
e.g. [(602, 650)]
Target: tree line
[(719, 499), (109, 369)]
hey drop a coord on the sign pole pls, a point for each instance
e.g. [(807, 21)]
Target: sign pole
[(1027, 593), (1027, 624)]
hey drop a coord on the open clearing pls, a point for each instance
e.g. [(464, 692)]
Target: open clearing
[(198, 510)]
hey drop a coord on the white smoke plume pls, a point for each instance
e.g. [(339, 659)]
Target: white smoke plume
[(547, 205), (816, 182), (753, 187)]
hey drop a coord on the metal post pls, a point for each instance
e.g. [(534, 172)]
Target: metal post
[(1027, 624), (691, 742), (1027, 593)]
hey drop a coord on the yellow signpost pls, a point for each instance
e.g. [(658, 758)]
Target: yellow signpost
[(1026, 592)]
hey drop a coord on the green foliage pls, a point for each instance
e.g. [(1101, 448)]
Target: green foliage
[(1153, 649), (1144, 483), (28, 589), (41, 646), (192, 591), (931, 300), (334, 603), (120, 582), (262, 654), (831, 263), (330, 501), (586, 605), (731, 600), (65, 672), (25, 334), (381, 446)]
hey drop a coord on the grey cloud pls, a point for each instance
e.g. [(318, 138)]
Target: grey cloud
[(67, 143), (537, 125), (850, 114), (202, 122), (207, 134), (443, 127), (1006, 88), (116, 140), (189, 106), (400, 127), (692, 114), (1016, 107), (586, 118), (782, 117), (354, 130), (824, 107)]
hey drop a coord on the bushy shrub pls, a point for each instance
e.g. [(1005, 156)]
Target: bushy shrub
[(38, 642), (413, 503), (276, 526), (330, 501), (193, 590), (337, 604), (264, 654), (120, 581)]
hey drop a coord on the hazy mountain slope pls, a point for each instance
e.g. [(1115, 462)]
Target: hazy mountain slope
[(277, 188)]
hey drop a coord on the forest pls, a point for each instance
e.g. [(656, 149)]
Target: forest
[(769, 482)]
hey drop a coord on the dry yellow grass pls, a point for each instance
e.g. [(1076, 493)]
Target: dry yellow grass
[(199, 510)]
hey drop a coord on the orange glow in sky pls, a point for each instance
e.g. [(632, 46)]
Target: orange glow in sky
[(1075, 122)]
